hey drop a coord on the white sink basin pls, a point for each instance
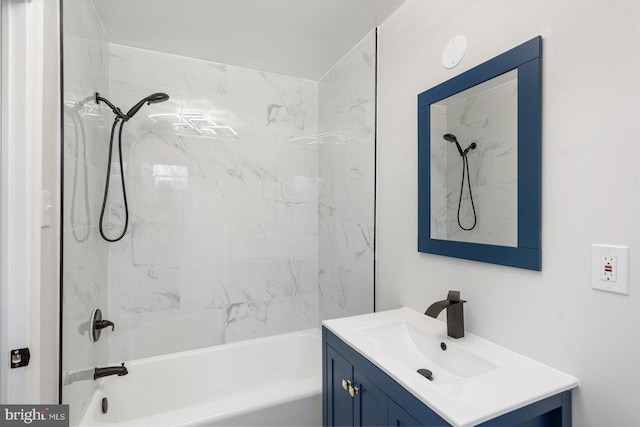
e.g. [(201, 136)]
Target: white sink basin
[(473, 380), (418, 349)]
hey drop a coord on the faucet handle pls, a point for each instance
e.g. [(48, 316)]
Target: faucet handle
[(454, 296), (101, 324), (96, 324)]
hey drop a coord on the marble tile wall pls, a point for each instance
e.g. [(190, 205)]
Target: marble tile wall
[(85, 254), (223, 197), (346, 183), (245, 219), (489, 119), (439, 151)]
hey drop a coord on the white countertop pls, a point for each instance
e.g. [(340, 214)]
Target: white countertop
[(511, 381)]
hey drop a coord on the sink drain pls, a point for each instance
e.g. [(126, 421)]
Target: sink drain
[(426, 373)]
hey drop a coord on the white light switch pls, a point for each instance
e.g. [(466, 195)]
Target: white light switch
[(610, 268)]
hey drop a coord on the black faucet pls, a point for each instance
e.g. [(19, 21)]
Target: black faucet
[(111, 370), (455, 313)]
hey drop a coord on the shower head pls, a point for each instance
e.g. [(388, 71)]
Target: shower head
[(452, 138), (151, 99)]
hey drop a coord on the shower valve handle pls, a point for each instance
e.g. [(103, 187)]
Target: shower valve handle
[(96, 324), (101, 324)]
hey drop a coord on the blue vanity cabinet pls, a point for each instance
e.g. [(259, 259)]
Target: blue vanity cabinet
[(398, 417), (340, 403), (352, 398), (370, 404), (378, 400)]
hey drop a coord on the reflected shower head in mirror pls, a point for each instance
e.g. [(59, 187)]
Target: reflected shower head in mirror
[(452, 138), (151, 99)]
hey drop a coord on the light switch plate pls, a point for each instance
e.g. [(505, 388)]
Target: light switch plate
[(610, 268)]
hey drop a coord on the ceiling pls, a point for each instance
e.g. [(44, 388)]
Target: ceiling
[(301, 38)]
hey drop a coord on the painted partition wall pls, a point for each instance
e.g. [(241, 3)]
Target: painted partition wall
[(85, 269), (346, 183), (590, 188)]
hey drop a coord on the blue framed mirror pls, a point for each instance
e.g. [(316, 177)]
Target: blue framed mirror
[(479, 162)]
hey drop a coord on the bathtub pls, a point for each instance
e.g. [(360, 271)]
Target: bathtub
[(273, 381)]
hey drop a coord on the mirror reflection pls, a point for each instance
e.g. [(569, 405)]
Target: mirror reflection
[(474, 164)]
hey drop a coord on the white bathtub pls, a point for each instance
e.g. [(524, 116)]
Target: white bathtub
[(273, 381)]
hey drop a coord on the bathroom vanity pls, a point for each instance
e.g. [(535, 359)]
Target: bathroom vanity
[(370, 377)]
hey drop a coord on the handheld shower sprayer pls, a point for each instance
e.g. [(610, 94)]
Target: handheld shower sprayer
[(151, 99), (122, 118), (452, 138), (465, 169)]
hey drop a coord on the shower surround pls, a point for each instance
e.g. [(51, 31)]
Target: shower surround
[(489, 119), (222, 188), (346, 188), (247, 218), (85, 256)]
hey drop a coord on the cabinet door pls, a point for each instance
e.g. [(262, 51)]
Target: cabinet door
[(339, 402), (370, 402), (398, 417)]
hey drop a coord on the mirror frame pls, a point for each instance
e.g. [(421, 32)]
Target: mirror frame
[(526, 58)]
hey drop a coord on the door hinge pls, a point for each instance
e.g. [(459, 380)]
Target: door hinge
[(20, 357)]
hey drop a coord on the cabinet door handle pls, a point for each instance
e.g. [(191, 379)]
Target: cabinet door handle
[(353, 390), (346, 384)]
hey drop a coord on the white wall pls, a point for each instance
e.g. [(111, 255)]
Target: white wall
[(30, 56), (591, 183), (50, 237)]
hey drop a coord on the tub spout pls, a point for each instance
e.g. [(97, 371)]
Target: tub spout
[(455, 313), (111, 370)]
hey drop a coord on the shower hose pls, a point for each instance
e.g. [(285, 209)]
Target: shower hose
[(465, 167), (106, 187)]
